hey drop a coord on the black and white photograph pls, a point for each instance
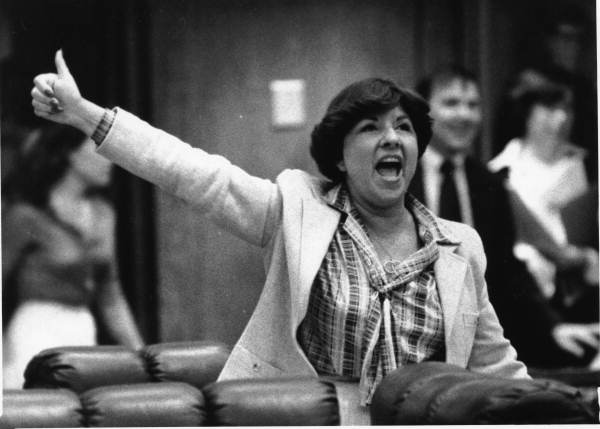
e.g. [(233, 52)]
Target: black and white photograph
[(299, 213)]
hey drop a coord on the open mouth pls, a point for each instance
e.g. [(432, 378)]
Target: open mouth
[(389, 167)]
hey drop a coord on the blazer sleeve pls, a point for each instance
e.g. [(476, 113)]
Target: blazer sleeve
[(491, 353), (246, 206)]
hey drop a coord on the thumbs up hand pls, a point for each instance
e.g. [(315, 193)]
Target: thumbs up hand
[(55, 96)]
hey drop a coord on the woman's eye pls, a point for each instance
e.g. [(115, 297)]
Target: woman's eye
[(368, 128), (404, 126)]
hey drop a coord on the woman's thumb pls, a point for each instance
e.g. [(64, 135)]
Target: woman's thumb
[(61, 65)]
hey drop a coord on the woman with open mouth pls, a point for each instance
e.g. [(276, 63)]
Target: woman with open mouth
[(361, 277)]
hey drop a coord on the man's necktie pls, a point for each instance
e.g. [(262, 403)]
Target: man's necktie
[(449, 205)]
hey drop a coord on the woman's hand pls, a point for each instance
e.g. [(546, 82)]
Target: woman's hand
[(571, 336), (56, 97), (591, 271), (595, 364)]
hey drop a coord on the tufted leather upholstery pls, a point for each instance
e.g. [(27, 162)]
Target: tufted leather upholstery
[(40, 408), (174, 384), (144, 404), (197, 362), (167, 384), (84, 367), (272, 402), (435, 393)]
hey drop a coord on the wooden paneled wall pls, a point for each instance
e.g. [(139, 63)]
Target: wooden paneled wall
[(213, 62)]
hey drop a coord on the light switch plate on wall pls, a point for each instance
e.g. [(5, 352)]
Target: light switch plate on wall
[(288, 103)]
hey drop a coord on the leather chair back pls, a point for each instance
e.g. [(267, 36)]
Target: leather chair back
[(434, 393), (84, 367), (144, 404), (40, 408), (272, 402), (195, 362)]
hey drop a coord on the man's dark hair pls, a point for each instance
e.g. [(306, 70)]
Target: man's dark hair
[(442, 76)]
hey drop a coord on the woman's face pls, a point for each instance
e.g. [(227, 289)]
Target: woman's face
[(379, 158), (548, 122), (90, 167)]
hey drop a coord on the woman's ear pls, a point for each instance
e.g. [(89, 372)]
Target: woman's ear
[(341, 165)]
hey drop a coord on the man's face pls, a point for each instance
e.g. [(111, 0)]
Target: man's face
[(456, 112)]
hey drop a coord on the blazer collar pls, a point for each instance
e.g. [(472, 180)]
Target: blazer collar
[(318, 224), (450, 271)]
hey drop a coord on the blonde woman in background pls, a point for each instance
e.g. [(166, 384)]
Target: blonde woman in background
[(58, 256)]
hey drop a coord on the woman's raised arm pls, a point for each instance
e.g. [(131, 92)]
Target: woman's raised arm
[(246, 206)]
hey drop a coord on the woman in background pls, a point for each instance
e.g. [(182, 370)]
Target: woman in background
[(546, 173), (58, 256)]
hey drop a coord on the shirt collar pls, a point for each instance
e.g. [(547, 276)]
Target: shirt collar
[(339, 199), (429, 222), (433, 159)]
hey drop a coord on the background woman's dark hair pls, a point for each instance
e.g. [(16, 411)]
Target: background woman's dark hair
[(42, 161), (357, 101), (530, 91)]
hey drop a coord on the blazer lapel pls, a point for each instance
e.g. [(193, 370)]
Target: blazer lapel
[(318, 225), (450, 270)]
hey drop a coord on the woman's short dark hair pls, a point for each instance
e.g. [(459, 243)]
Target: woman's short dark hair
[(357, 101), (42, 161), (529, 92)]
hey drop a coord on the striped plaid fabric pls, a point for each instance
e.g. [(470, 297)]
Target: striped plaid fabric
[(363, 322), (103, 126)]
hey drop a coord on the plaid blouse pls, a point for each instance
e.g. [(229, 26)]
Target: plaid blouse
[(363, 322)]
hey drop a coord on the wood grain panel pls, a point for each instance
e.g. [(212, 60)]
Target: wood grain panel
[(213, 64)]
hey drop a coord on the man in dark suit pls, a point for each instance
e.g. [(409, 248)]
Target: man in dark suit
[(455, 185)]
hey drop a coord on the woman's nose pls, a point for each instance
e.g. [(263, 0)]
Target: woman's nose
[(390, 138)]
